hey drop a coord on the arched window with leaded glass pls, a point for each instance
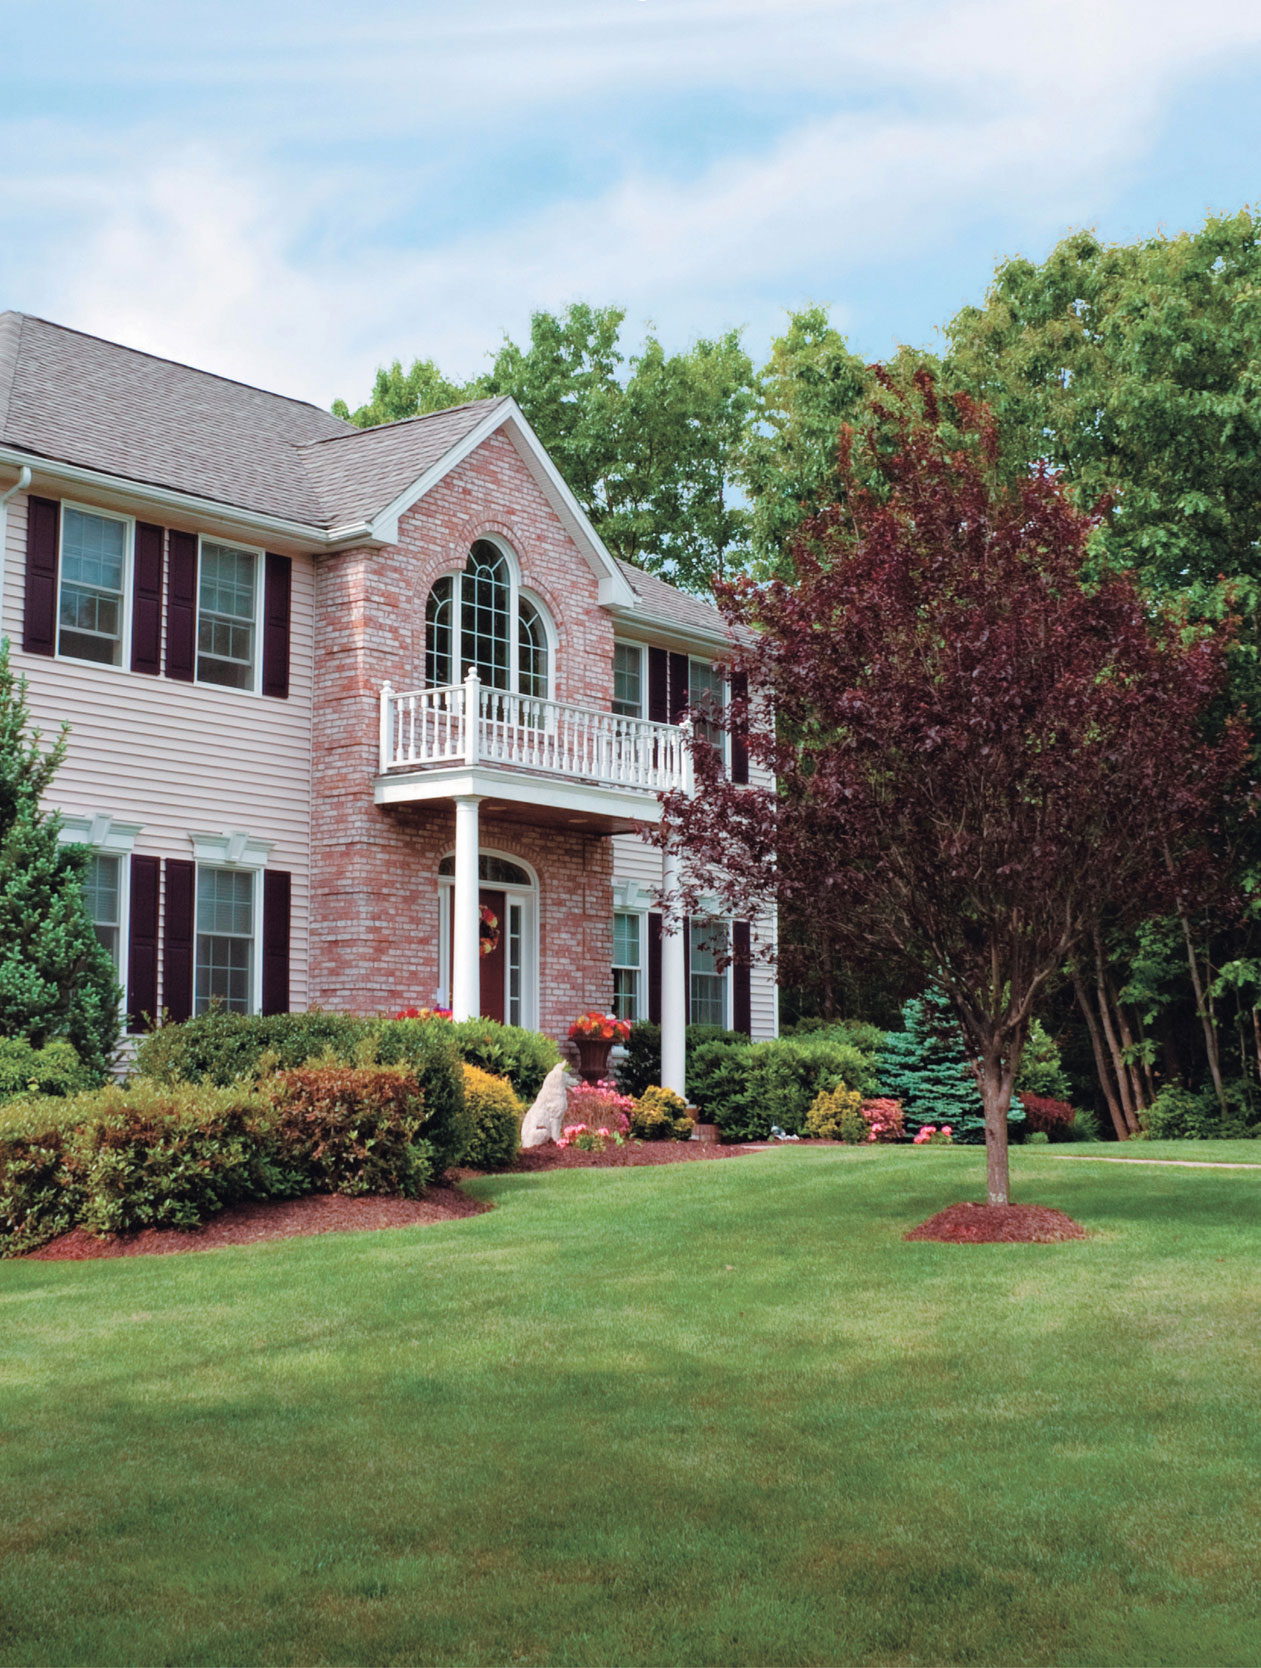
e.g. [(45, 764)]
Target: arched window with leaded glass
[(480, 618)]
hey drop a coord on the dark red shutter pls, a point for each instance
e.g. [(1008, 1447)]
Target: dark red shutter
[(142, 943), (146, 600), (687, 971), (654, 966), (43, 537), (739, 746), (658, 686), (177, 937), (181, 605), (276, 897), (680, 690), (742, 977), (277, 586)]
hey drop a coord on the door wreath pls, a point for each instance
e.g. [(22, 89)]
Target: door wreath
[(488, 931)]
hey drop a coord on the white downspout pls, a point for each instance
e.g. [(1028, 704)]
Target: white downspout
[(20, 485)]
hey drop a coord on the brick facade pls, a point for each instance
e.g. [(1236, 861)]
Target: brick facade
[(374, 930)]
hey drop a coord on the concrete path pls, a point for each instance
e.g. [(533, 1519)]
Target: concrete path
[(1165, 1163)]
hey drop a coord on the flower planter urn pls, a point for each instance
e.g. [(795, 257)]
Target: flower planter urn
[(593, 1057)]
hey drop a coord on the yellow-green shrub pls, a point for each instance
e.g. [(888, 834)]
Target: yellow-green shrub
[(661, 1115), (836, 1115), (495, 1114)]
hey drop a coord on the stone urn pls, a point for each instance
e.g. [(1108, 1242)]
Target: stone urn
[(593, 1057)]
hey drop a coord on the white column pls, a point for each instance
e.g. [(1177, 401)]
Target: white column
[(466, 964), (673, 991)]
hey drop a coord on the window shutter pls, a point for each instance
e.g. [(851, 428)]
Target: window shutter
[(687, 971), (654, 965), (178, 937), (146, 600), (680, 692), (276, 899), (43, 536), (739, 746), (658, 686), (142, 943), (277, 588), (181, 606), (742, 977)]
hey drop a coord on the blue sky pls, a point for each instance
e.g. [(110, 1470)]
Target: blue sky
[(291, 194)]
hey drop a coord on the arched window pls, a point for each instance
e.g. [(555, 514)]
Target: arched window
[(479, 618)]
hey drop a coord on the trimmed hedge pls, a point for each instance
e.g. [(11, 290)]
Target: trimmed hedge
[(54, 1069), (660, 1115), (640, 1068), (496, 1116), (747, 1088), (346, 1129), (523, 1057)]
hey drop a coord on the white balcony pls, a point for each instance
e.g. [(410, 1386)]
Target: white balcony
[(470, 738)]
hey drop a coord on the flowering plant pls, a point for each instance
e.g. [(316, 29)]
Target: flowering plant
[(884, 1119), (599, 1104), (606, 1026), (488, 931), (930, 1136), (422, 1013), (584, 1139)]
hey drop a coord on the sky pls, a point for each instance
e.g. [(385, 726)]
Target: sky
[(295, 194)]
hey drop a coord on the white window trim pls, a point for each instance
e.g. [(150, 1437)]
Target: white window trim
[(259, 555), (641, 650), (516, 592), (255, 871), (231, 851), (728, 1000), (528, 896), (107, 838), (129, 575), (642, 997)]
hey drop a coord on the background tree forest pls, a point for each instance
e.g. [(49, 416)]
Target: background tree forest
[(1135, 371)]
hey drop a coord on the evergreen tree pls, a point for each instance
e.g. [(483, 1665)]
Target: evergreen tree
[(56, 979), (924, 1066)]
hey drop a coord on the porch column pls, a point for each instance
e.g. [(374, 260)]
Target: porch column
[(466, 965), (673, 986)]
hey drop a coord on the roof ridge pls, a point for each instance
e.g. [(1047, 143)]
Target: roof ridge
[(402, 422), (180, 364)]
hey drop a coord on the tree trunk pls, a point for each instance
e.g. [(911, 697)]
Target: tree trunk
[(1114, 1047), (1101, 1064), (1205, 1012), (996, 1087)]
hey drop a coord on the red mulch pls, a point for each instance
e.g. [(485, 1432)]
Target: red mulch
[(998, 1225), (318, 1213), (551, 1157)]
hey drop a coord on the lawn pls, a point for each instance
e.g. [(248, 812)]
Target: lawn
[(705, 1413), (1194, 1152)]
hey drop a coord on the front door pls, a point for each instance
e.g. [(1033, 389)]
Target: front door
[(495, 962)]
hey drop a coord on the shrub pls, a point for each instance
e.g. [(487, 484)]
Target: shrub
[(1037, 1138), (1041, 1072), (661, 1115), (599, 1106), (495, 1114), (884, 1119), (523, 1057), (746, 1090), (40, 1196), (54, 1069), (352, 1129), (1057, 1120), (860, 1032), (836, 1115), (641, 1065), (1179, 1114), (430, 1050)]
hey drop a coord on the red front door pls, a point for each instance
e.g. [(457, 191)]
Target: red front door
[(495, 965)]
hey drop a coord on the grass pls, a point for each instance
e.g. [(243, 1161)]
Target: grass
[(1195, 1152), (713, 1413)]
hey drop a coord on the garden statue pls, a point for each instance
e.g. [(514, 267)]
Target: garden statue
[(545, 1120)]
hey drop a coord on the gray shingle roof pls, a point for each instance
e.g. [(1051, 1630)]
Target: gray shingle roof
[(663, 602)]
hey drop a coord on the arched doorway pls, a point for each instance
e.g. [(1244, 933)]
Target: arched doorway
[(508, 890)]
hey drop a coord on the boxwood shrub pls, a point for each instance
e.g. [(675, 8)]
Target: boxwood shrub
[(640, 1067), (747, 1088), (54, 1069), (351, 1129), (496, 1114)]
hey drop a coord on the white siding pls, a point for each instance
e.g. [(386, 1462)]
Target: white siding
[(182, 758)]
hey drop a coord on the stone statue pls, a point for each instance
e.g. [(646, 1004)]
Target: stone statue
[(545, 1121)]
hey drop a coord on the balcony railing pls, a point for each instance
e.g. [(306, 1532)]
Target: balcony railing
[(471, 724)]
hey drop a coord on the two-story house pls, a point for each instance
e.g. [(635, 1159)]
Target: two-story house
[(362, 719)]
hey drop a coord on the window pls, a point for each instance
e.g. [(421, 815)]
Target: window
[(706, 690), (478, 618), (707, 945), (627, 964), (227, 609), (225, 939), (102, 892), (91, 606), (628, 680)]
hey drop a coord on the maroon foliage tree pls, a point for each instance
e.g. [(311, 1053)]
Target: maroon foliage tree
[(980, 750)]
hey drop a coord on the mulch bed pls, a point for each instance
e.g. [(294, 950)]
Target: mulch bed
[(551, 1157), (998, 1225), (318, 1213)]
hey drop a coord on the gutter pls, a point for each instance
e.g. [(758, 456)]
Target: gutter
[(20, 485), (188, 505)]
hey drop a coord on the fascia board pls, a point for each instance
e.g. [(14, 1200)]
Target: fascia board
[(203, 510), (658, 629), (482, 782), (384, 524)]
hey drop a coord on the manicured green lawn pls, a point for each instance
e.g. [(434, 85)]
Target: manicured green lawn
[(707, 1413), (1195, 1152)]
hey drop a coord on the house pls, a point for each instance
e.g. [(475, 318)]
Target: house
[(362, 719)]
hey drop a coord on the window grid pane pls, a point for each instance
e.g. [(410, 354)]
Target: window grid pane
[(531, 652), (225, 616), (225, 939), (708, 983), (90, 608), (439, 619), (485, 594), (101, 884), (706, 690), (627, 939), (627, 680)]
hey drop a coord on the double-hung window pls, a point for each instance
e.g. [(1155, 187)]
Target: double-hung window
[(227, 616), (92, 599), (226, 938), (102, 893), (707, 691), (628, 680), (628, 960), (707, 947)]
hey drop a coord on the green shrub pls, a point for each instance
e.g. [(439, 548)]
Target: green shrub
[(40, 1196), (860, 1032), (352, 1129), (1041, 1072), (836, 1115), (154, 1157), (641, 1066), (1179, 1114), (54, 1069), (496, 1114), (523, 1057), (747, 1089), (429, 1049), (660, 1115)]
